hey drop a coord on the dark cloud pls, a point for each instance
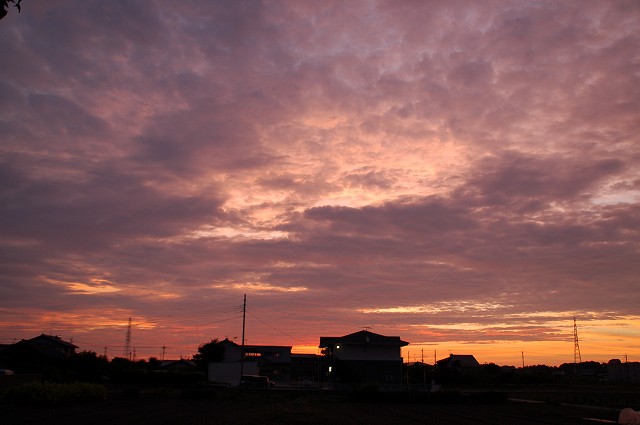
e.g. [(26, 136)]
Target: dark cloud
[(370, 179), (87, 209), (538, 181), (62, 118)]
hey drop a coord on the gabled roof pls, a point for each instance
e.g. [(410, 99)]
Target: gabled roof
[(459, 360), (362, 338), (53, 340), (28, 348), (177, 363), (227, 341)]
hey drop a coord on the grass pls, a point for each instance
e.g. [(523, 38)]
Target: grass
[(40, 393)]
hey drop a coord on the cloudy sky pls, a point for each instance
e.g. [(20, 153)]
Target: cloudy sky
[(462, 174)]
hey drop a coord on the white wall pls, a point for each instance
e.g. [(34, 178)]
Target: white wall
[(229, 373)]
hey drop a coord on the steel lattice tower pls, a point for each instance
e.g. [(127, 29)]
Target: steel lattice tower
[(576, 345), (127, 343)]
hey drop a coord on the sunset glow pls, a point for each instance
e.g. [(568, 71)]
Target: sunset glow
[(464, 175)]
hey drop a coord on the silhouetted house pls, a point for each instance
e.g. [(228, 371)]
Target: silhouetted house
[(54, 343), (363, 357), (36, 355), (305, 369), (463, 363), (458, 361), (178, 365), (618, 371), (416, 374), (273, 361)]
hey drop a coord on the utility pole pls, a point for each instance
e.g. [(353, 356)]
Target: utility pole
[(244, 316), (522, 352), (164, 347), (424, 370), (576, 348)]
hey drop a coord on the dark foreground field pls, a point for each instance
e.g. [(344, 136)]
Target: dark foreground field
[(302, 407)]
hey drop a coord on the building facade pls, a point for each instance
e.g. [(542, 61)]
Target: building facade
[(273, 361), (362, 358)]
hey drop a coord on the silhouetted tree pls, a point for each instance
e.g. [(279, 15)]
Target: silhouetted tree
[(87, 366), (489, 373), (154, 363), (212, 351), (537, 374), (5, 6)]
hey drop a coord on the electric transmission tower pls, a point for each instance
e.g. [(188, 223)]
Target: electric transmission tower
[(576, 346), (127, 343)]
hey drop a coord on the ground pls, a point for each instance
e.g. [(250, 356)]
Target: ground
[(282, 407)]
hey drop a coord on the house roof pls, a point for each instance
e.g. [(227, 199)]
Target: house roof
[(459, 360), (28, 348), (362, 337), (226, 341), (177, 363), (52, 339)]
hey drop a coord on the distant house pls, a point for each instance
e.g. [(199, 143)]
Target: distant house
[(617, 371), (363, 357), (177, 365), (273, 361), (459, 362), (36, 355), (305, 369), (54, 343)]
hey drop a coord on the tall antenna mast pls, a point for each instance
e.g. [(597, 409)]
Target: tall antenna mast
[(127, 343), (576, 346)]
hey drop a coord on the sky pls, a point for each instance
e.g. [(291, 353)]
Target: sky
[(462, 174)]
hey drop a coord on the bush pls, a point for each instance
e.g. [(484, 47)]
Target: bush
[(53, 393)]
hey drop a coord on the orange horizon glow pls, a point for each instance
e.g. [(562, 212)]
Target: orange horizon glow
[(598, 341)]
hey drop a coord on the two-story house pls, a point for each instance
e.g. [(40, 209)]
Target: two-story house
[(273, 361), (363, 357)]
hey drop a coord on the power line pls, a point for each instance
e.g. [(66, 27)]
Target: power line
[(220, 321), (180, 320), (195, 316), (276, 329), (207, 312)]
